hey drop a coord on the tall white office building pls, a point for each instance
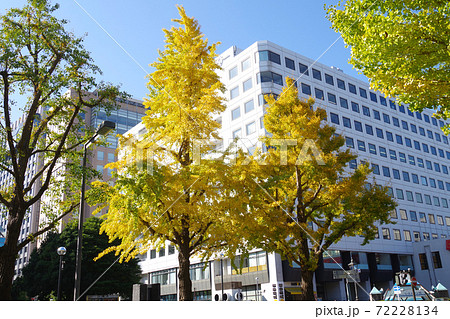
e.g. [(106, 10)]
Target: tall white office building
[(407, 151)]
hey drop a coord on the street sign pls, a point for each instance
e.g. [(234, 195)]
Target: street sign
[(352, 275), (397, 290), (413, 281)]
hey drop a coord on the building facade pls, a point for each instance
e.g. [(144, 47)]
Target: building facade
[(407, 151)]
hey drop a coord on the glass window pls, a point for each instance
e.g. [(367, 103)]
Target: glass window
[(268, 76), (372, 149), (420, 162), (392, 155), (427, 199), (246, 64), (405, 176), (417, 145), (416, 235), (386, 118), (349, 142), (316, 74), (440, 220), (343, 102), (383, 101), (249, 106), (431, 219), (397, 235), (352, 88), (403, 214), (376, 115), (306, 89), (444, 202), (415, 178), (426, 118), (269, 56), (369, 129), (436, 202), (411, 160), (386, 171), (375, 169), (447, 220), (382, 151), (329, 79), (402, 157), (363, 93), (341, 84), (408, 142), (413, 215), (100, 155), (236, 113), (395, 121), (247, 85), (346, 121), (419, 198), (399, 193), (399, 139), (355, 107), (373, 97), (290, 64), (389, 136), (237, 133), (407, 235), (366, 111), (413, 128), (100, 169), (379, 132), (353, 164), (318, 93), (401, 108), (233, 72), (153, 254), (358, 126), (423, 259), (361, 146), (409, 196), (303, 68), (331, 98), (251, 128), (334, 118), (392, 105), (396, 173), (386, 233), (162, 252), (234, 92), (436, 257), (111, 157)]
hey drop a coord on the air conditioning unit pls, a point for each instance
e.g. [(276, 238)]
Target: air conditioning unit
[(224, 297)]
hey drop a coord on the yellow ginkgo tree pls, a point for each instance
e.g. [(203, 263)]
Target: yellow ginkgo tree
[(165, 189), (308, 198)]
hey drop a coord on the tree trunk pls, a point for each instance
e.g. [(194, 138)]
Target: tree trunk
[(306, 283), (8, 254), (184, 278)]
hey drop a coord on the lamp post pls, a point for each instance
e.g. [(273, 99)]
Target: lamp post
[(61, 252), (221, 274), (103, 129), (352, 266), (257, 298)]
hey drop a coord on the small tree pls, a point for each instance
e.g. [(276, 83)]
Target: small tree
[(175, 195), (308, 197), (402, 46), (41, 60), (40, 276)]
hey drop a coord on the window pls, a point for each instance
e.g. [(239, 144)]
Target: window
[(100, 156), (111, 157), (269, 56), (363, 93), (379, 132), (352, 164), (234, 92), (349, 142), (405, 176), (402, 157), (236, 113), (343, 102), (399, 193), (447, 220), (306, 89), (420, 162), (355, 107), (401, 108), (261, 122), (376, 115), (318, 93), (366, 111), (100, 169), (436, 202), (444, 202), (358, 126), (433, 150), (417, 145), (316, 74), (246, 64), (233, 72), (392, 105), (237, 133), (334, 118), (444, 169), (303, 68), (340, 84), (373, 97), (249, 106), (415, 178), (247, 85), (407, 235), (409, 196), (436, 257), (386, 233), (383, 101), (427, 199), (329, 79), (413, 128), (382, 151), (369, 129), (268, 76), (386, 118), (162, 252), (426, 236), (408, 142), (393, 214), (372, 149), (375, 169), (403, 214), (440, 184), (250, 128), (331, 98), (413, 216), (437, 137), (440, 220), (422, 217), (432, 182), (411, 160), (419, 198), (426, 118), (397, 235), (389, 136), (428, 164), (386, 171), (171, 250), (431, 219), (392, 155), (352, 88), (395, 121), (423, 260), (153, 254), (416, 235), (399, 139), (361, 146), (290, 64), (346, 122)]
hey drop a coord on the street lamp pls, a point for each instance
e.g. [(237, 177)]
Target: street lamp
[(103, 129), (221, 273), (257, 298), (352, 266), (61, 252)]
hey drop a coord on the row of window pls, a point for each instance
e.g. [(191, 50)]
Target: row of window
[(435, 257), (422, 217), (405, 125), (267, 55), (416, 236)]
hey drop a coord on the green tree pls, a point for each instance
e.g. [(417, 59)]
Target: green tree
[(40, 276), (40, 60), (402, 46), (180, 197), (308, 197)]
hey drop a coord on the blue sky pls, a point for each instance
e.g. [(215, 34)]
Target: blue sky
[(136, 25)]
